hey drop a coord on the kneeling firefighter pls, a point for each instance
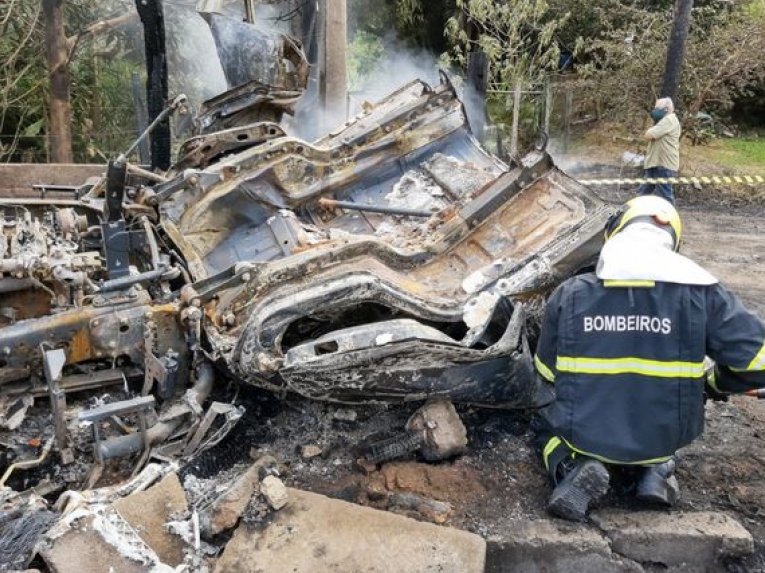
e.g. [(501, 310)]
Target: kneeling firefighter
[(624, 350)]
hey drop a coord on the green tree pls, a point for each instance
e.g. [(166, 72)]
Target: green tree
[(22, 81), (518, 38), (93, 58), (727, 61)]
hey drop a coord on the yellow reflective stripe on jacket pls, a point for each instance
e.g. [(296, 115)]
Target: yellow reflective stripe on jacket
[(617, 462), (549, 449), (757, 363), (630, 365), (543, 370), (624, 283)]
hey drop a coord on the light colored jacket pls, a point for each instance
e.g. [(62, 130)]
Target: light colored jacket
[(664, 149)]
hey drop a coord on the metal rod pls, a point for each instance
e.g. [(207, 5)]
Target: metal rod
[(26, 464), (145, 173), (125, 282), (10, 284), (172, 106), (324, 202)]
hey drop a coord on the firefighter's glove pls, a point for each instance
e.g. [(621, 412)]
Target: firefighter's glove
[(710, 388)]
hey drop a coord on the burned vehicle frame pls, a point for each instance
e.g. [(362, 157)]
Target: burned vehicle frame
[(391, 260)]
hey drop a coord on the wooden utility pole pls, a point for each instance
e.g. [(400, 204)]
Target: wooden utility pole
[(60, 113), (334, 79)]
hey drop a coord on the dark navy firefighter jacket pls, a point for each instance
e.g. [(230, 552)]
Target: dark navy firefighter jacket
[(627, 363)]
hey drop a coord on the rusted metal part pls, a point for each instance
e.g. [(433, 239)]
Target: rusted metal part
[(101, 450), (245, 104), (75, 382), (53, 365)]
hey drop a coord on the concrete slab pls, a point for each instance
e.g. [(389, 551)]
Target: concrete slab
[(553, 547), (83, 550), (316, 534), (674, 538), (148, 511)]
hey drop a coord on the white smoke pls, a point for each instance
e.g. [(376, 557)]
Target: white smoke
[(397, 67)]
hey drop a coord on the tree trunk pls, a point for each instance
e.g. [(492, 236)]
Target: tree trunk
[(676, 48), (60, 112)]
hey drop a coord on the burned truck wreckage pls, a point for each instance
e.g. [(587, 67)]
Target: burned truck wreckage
[(392, 259)]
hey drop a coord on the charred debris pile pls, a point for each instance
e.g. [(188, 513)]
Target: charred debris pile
[(391, 260)]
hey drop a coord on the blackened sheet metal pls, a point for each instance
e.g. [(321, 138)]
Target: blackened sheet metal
[(244, 105), (200, 151), (414, 370), (250, 52)]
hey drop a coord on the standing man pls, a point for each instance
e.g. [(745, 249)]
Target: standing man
[(624, 349), (662, 158)]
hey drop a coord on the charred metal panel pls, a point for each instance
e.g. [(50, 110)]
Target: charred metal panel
[(295, 266), (248, 52)]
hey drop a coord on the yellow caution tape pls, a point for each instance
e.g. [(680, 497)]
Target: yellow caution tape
[(711, 180)]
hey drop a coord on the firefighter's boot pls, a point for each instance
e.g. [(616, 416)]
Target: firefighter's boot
[(583, 485), (658, 484)]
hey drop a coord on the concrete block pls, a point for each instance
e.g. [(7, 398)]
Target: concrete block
[(148, 511), (316, 534), (553, 547), (674, 538), (226, 510), (273, 489)]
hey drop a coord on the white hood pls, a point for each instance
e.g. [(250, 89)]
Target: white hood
[(642, 251)]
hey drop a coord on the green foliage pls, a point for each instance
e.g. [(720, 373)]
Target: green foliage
[(625, 58), (518, 38), (417, 24), (364, 54), (744, 152), (726, 62), (102, 111), (22, 81)]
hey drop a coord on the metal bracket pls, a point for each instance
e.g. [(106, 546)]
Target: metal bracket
[(161, 370), (231, 413), (53, 366), (138, 405)]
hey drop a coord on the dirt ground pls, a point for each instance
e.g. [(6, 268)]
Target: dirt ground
[(500, 478)]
